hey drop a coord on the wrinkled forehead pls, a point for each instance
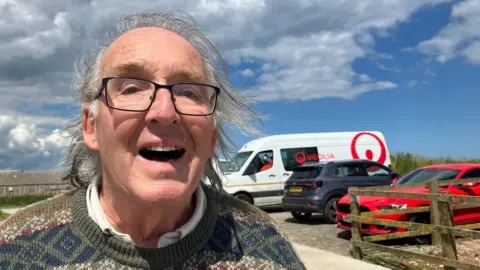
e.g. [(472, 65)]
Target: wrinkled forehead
[(152, 53)]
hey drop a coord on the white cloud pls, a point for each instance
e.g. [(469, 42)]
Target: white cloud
[(54, 142), (244, 29), (248, 73), (33, 32), (388, 68), (381, 56), (29, 137), (25, 141), (429, 72), (453, 40), (22, 137), (472, 53), (412, 83), (364, 78)]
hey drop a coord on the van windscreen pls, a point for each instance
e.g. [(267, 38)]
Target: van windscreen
[(239, 159), (306, 172)]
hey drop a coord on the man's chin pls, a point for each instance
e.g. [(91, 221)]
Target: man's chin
[(164, 191)]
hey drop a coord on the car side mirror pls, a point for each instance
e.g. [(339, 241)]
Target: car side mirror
[(394, 175)]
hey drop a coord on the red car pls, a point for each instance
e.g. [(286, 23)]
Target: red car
[(423, 174)]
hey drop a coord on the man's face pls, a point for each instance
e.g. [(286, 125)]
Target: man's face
[(122, 137)]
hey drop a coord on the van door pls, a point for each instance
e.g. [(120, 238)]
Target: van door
[(262, 172)]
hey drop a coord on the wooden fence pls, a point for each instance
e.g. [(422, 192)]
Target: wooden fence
[(33, 189), (441, 228)]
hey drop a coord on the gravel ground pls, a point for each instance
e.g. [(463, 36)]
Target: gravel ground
[(315, 233), (468, 250)]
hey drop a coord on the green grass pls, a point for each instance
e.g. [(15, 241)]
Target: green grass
[(3, 215), (406, 162), (20, 201)]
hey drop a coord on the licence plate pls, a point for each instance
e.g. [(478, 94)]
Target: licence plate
[(347, 219), (295, 189)]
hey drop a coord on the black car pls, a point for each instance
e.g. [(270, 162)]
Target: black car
[(317, 187)]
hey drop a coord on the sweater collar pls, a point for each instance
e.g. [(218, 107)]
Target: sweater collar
[(138, 257)]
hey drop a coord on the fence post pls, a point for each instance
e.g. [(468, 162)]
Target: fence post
[(356, 227), (449, 247), (434, 213)]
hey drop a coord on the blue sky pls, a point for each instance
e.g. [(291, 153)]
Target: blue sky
[(433, 111), (407, 68)]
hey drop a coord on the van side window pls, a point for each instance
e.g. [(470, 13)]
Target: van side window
[(261, 162), (294, 157)]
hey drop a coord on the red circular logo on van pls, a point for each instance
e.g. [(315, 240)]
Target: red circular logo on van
[(300, 157), (369, 152)]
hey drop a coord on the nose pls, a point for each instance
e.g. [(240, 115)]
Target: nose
[(162, 109)]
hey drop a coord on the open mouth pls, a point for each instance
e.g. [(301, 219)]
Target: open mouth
[(162, 154)]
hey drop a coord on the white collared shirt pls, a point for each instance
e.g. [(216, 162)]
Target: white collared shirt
[(95, 211)]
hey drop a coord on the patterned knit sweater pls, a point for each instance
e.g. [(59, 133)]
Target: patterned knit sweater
[(58, 234)]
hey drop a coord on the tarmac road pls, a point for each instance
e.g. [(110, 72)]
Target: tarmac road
[(314, 233)]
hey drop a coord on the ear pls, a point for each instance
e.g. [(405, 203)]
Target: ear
[(88, 127), (213, 142)]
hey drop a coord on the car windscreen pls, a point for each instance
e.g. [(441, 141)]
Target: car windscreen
[(306, 172), (427, 175)]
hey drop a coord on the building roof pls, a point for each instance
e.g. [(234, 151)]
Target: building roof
[(15, 178)]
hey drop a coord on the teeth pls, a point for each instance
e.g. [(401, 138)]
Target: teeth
[(163, 148)]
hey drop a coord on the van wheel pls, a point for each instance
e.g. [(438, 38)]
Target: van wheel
[(301, 216), (330, 212), (244, 197)]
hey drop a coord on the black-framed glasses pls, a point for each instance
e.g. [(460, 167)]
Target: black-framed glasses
[(137, 95)]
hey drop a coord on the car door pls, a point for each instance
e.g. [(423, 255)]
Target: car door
[(467, 215), (378, 175), (354, 175)]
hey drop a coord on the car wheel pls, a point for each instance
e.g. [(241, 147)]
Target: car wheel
[(330, 212), (422, 239), (244, 197), (301, 216)]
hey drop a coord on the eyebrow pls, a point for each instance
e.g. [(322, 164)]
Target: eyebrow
[(130, 67), (137, 68)]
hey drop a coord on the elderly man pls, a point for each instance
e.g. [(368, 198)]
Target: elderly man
[(154, 108)]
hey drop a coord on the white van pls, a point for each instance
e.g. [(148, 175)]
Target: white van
[(263, 165)]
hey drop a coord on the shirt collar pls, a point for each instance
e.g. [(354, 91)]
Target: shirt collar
[(95, 211)]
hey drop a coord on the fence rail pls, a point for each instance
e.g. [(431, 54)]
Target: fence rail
[(441, 228)]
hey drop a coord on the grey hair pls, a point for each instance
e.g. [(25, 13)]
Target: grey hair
[(84, 164)]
